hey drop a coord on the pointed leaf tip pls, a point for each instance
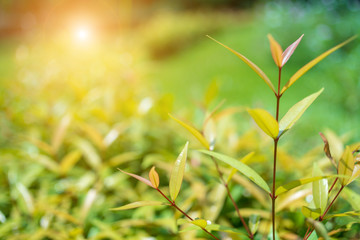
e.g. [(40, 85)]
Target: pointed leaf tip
[(144, 180), (177, 173), (253, 66), (154, 177), (202, 223), (276, 51), (290, 50)]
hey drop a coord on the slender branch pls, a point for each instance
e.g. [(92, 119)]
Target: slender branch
[(173, 204), (250, 235), (332, 186), (326, 211)]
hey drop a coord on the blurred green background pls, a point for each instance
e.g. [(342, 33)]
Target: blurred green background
[(86, 88)]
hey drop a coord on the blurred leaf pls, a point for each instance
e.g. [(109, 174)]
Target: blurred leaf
[(345, 214), (346, 166), (144, 180), (311, 213), (353, 198), (177, 173), (194, 132), (210, 133), (93, 135), (63, 215), (200, 223), (320, 190), (292, 199), (312, 63), (250, 64), (243, 160), (42, 146), (60, 132), (296, 111), (122, 158), (211, 92), (297, 183), (290, 50), (26, 197), (327, 149), (265, 121), (138, 204), (91, 155), (254, 221), (89, 200), (319, 228), (154, 178), (356, 173), (241, 167), (276, 51), (69, 161), (270, 235), (313, 236), (47, 162), (335, 144)]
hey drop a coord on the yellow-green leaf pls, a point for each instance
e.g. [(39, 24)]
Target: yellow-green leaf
[(144, 180), (254, 221), (154, 177), (241, 167), (320, 189), (311, 213), (297, 183), (290, 50), (243, 160), (356, 173), (194, 132), (177, 173), (345, 214), (250, 64), (265, 121), (138, 204), (312, 63), (320, 229), (276, 51), (69, 161), (346, 166), (296, 111), (200, 223)]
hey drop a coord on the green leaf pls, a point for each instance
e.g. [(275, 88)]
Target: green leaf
[(265, 121), (243, 160), (345, 214), (241, 167), (220, 228), (311, 213), (138, 204), (177, 173), (353, 198), (320, 189), (200, 223), (296, 111), (313, 236), (194, 132), (250, 64), (346, 166), (254, 222), (69, 161), (319, 228), (297, 183), (312, 63)]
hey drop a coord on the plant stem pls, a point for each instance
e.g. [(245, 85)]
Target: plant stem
[(332, 186), (276, 140), (326, 211), (250, 235), (173, 204)]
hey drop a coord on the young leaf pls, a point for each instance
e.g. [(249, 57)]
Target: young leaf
[(144, 180), (200, 223), (290, 50), (250, 64), (356, 173), (345, 214), (296, 111), (194, 132), (265, 121), (320, 190), (297, 183), (177, 173), (312, 63), (241, 167), (154, 178), (346, 166), (276, 51), (138, 204), (311, 213)]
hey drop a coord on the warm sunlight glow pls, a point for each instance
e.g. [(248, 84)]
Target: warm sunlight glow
[(83, 34)]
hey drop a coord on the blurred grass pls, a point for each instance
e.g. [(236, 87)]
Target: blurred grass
[(71, 115)]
